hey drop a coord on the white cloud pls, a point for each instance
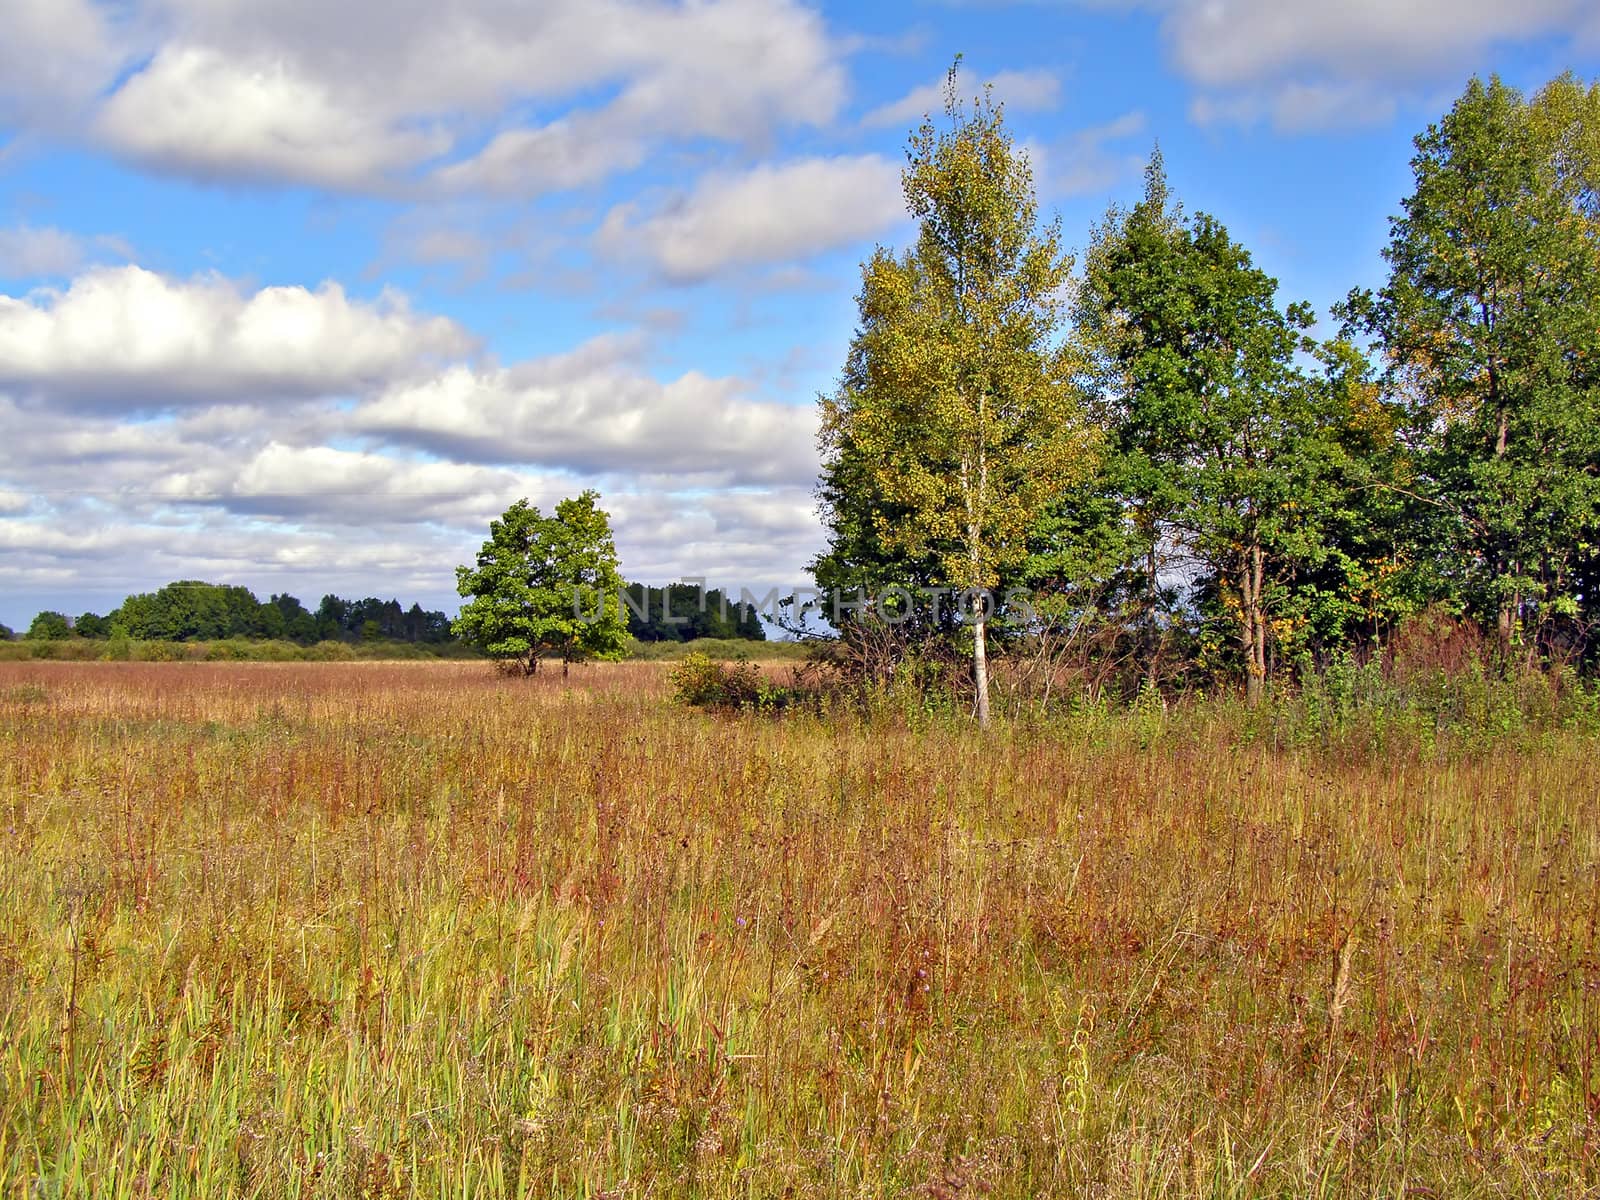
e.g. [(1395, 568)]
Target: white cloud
[(774, 213), (371, 95), (129, 338), (1223, 43), (355, 487), (1310, 64), (555, 157), (125, 506), (197, 111), (603, 418), (1020, 91), (1299, 107), (54, 56), (311, 442), (755, 539), (1090, 161)]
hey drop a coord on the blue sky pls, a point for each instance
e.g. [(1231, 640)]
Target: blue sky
[(300, 295)]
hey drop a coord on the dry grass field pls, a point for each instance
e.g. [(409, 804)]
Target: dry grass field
[(368, 930)]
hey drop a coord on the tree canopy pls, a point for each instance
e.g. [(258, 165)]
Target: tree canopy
[(1172, 457), (1490, 329), (545, 586), (1227, 460), (956, 420)]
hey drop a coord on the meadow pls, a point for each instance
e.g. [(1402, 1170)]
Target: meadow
[(392, 930)]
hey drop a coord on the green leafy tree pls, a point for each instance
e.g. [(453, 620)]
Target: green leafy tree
[(50, 626), (1490, 325), (682, 612), (297, 624), (956, 421), (189, 610), (91, 625), (545, 586), (1228, 459)]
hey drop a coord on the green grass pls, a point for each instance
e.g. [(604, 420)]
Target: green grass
[(723, 649), (420, 930)]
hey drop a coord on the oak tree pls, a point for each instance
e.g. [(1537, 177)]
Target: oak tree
[(545, 586)]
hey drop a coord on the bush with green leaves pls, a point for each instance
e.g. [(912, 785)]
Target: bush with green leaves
[(702, 682)]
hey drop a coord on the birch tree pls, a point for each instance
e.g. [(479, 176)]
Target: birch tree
[(956, 420)]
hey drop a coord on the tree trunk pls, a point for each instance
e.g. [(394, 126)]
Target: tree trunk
[(1152, 648), (980, 663), (1506, 625), (1253, 627), (1252, 678), (973, 498)]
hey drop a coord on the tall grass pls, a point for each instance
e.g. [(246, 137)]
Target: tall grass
[(416, 929), (122, 649)]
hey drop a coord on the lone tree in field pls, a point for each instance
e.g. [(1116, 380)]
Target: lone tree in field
[(955, 420), (545, 586)]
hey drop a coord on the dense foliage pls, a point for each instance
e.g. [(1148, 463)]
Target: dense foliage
[(686, 612), (545, 586), (955, 423), (1261, 500), (194, 611)]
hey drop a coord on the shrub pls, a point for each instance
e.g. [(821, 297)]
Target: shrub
[(702, 682)]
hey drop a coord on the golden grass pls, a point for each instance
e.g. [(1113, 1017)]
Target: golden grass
[(393, 930)]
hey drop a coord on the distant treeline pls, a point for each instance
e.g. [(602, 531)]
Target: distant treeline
[(685, 612), (195, 611)]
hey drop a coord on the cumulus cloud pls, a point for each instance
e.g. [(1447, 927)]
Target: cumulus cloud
[(756, 539), (201, 112), (771, 213), (606, 420), (533, 161), (127, 338), (278, 516), (1308, 64), (292, 439), (372, 96), (1222, 43), (1020, 91), (55, 55), (339, 486), (105, 556)]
